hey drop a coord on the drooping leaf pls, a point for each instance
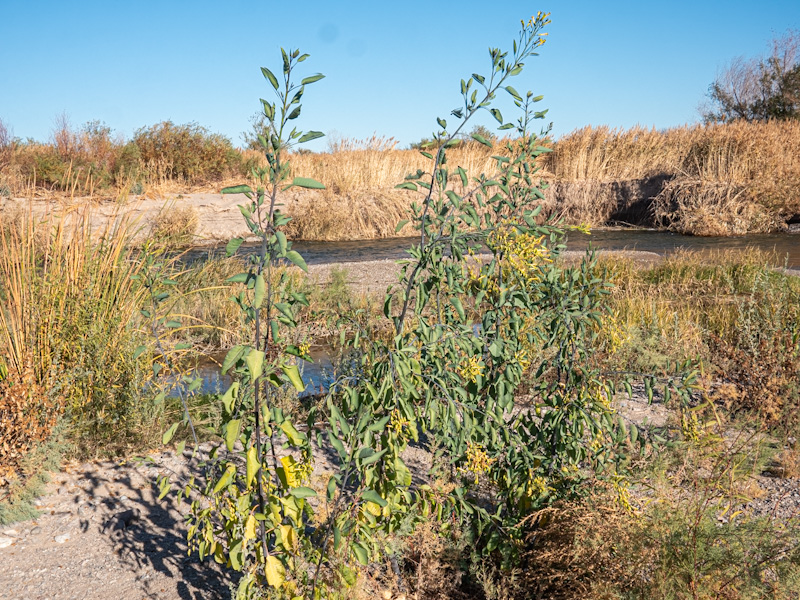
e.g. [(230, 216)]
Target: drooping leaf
[(293, 373), (297, 260), (255, 363), (308, 183), (169, 433), (275, 571), (259, 291), (238, 189), (253, 466)]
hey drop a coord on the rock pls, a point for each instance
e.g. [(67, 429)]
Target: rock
[(11, 533), (5, 542), (36, 530), (60, 539)]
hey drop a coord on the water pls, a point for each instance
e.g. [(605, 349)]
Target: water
[(315, 375), (785, 245)]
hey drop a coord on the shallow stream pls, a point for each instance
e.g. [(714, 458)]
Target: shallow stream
[(786, 246)]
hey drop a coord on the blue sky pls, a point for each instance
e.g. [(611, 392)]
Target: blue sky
[(391, 67)]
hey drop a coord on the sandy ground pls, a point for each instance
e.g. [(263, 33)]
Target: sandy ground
[(103, 534), (219, 218)]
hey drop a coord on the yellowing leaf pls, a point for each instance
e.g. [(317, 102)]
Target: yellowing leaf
[(275, 571), (290, 477), (250, 528), (252, 465), (288, 537)]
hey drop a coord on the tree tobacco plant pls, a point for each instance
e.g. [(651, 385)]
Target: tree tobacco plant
[(482, 307)]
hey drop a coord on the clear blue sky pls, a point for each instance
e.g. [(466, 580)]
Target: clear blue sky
[(391, 67)]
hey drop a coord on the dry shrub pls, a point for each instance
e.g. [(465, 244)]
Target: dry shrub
[(431, 560), (374, 170), (27, 416), (709, 208), (175, 225), (726, 178), (356, 215)]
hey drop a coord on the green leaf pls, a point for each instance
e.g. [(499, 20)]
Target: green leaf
[(406, 185), (331, 488), (226, 478), (496, 114), (238, 278), (302, 492), (138, 352), (232, 246), (456, 302), (312, 79), (360, 553), (400, 225), (295, 258), (371, 458), (169, 433), (295, 437), (281, 237), (260, 291), (337, 444), (293, 373), (311, 135), (481, 139), (308, 183), (255, 363), (373, 496), (233, 355), (238, 189), (514, 93), (270, 77), (231, 433)]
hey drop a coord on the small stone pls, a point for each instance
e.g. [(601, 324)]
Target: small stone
[(60, 539), (11, 533), (36, 531), (123, 498), (5, 542)]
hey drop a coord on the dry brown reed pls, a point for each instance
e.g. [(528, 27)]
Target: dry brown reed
[(717, 179), (722, 179)]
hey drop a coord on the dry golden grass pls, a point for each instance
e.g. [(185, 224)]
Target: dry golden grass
[(718, 179)]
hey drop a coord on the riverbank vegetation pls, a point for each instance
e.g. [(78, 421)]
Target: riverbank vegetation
[(510, 375), (714, 179)]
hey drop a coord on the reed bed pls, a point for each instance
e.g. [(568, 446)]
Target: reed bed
[(716, 179)]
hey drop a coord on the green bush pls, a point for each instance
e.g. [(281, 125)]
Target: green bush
[(187, 152)]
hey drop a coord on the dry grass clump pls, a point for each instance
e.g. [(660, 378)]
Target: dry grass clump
[(68, 299), (175, 225), (354, 215)]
